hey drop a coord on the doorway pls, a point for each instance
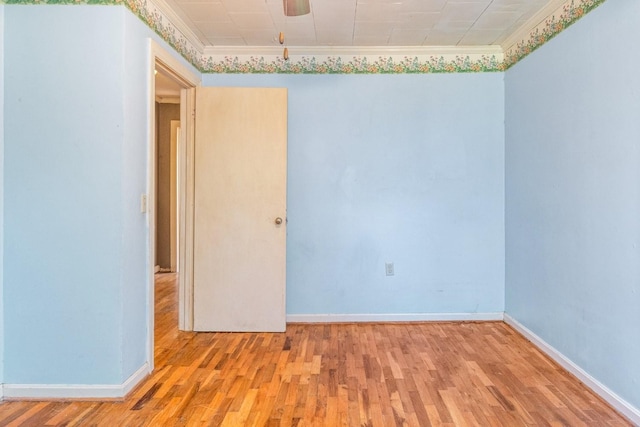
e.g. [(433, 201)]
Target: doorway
[(171, 86), (167, 138), (177, 74)]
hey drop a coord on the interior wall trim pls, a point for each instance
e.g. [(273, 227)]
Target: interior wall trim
[(398, 317), (523, 33), (75, 391), (157, 15), (302, 60), (173, 18), (618, 403)]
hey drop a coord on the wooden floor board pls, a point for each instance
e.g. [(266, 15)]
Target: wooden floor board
[(394, 374)]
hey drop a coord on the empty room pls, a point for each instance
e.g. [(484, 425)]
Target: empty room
[(361, 212)]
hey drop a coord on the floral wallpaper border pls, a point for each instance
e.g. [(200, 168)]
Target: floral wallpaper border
[(564, 17), (356, 65), (151, 15), (155, 19)]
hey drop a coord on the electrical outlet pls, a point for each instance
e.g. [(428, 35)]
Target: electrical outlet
[(388, 268)]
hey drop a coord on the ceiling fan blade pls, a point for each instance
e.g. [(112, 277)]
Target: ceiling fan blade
[(296, 7)]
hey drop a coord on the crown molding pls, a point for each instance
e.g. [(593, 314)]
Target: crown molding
[(355, 51), (548, 23), (178, 23), (525, 29), (544, 25)]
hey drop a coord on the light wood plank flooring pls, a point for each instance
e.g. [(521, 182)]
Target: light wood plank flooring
[(415, 374)]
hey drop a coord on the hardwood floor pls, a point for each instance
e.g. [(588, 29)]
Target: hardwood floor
[(416, 374)]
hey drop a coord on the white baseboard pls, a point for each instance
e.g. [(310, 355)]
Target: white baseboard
[(400, 317), (136, 378), (75, 391), (621, 405)]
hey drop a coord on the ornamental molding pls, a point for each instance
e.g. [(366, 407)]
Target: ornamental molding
[(551, 21), (179, 23), (353, 60), (522, 33)]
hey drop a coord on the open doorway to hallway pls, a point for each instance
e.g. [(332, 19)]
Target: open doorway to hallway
[(167, 108), (167, 138), (170, 136)]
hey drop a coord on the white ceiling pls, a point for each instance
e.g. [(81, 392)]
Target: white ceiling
[(350, 23)]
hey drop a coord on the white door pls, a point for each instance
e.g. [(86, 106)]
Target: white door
[(240, 209)]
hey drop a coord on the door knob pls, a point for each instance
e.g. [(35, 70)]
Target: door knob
[(278, 221)]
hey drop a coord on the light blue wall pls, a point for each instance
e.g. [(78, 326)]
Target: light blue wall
[(63, 179), (135, 151), (573, 195), (402, 168), (76, 150)]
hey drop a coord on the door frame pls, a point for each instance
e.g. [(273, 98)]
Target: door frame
[(161, 58), (174, 194)]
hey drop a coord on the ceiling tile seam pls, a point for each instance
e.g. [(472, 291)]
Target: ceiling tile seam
[(353, 27), (475, 22), (315, 27), (426, 38)]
